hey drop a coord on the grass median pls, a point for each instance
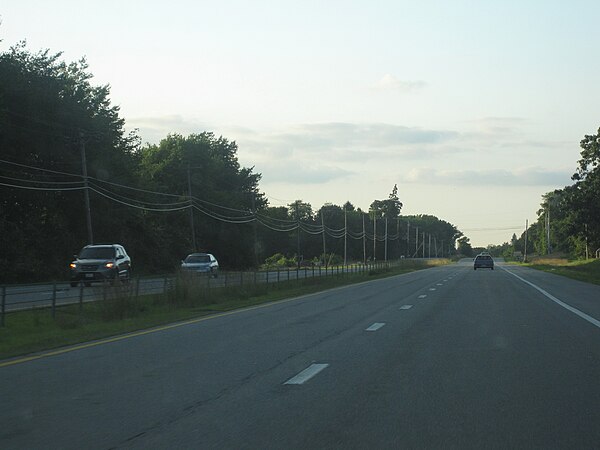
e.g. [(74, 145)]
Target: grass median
[(37, 330), (582, 270)]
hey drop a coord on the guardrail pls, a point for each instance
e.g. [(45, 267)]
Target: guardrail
[(14, 298)]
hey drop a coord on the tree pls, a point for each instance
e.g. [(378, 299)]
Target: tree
[(224, 195), (389, 208), (464, 246), (49, 109)]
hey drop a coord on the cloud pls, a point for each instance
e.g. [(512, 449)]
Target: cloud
[(390, 83), (533, 176), (153, 129), (280, 172), (348, 141)]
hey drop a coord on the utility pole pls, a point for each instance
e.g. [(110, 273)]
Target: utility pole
[(429, 247), (548, 228), (423, 240), (442, 249), (364, 241), (345, 237), (386, 239), (86, 191), (374, 236), (324, 252), (398, 234), (408, 239), (254, 229), (586, 243), (297, 236), (526, 230), (416, 240), (191, 209)]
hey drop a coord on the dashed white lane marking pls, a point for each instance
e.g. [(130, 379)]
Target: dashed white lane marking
[(581, 314), (376, 326), (432, 289), (440, 284), (406, 306), (306, 374), (422, 296)]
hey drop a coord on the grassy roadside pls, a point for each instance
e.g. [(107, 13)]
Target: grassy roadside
[(36, 330), (588, 271)]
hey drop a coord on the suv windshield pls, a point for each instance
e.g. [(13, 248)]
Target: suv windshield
[(197, 259), (97, 253)]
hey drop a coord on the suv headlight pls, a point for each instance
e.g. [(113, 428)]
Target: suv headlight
[(109, 265), (73, 266)]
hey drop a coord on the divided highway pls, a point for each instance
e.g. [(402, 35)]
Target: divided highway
[(446, 357)]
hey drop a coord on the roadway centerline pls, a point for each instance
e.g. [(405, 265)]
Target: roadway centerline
[(568, 307), (376, 326), (306, 374)]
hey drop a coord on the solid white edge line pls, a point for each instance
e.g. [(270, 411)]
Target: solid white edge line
[(306, 374), (376, 326), (581, 314)]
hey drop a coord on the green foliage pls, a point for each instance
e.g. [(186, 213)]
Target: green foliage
[(278, 260), (389, 208), (50, 110), (464, 246), (573, 210)]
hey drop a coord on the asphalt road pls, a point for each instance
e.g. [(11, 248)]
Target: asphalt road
[(442, 358)]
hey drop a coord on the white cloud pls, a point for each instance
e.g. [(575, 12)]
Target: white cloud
[(285, 173), (531, 176), (390, 82)]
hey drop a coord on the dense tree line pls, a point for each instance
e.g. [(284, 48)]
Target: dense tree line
[(568, 220), (160, 201)]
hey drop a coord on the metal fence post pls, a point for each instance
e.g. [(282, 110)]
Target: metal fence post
[(3, 306), (53, 300), (80, 298)]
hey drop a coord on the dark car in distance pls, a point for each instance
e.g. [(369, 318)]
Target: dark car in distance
[(98, 263), (483, 261)]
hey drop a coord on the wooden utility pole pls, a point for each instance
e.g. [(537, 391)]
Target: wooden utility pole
[(88, 213)]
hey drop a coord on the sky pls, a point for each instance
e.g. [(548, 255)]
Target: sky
[(475, 109)]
